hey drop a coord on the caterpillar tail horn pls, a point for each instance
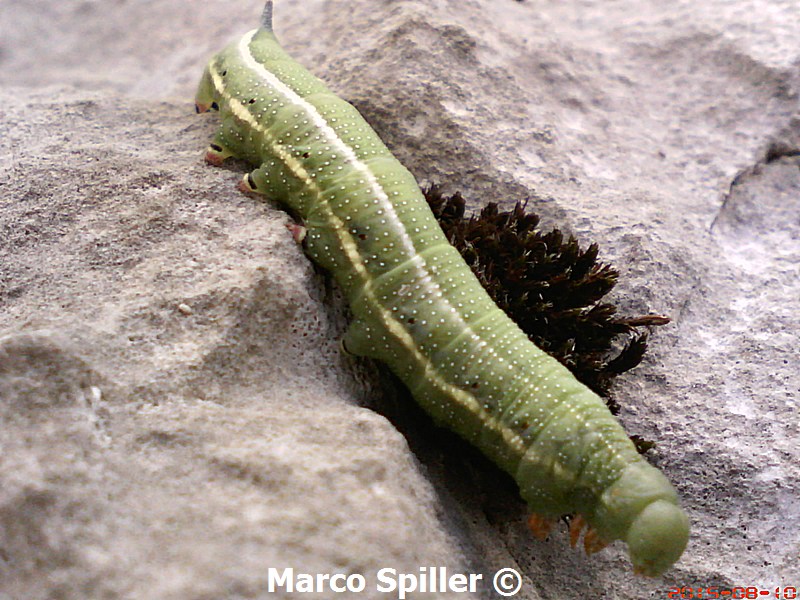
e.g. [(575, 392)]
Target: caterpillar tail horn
[(266, 16)]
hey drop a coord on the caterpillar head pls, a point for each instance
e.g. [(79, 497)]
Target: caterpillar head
[(657, 538), (641, 508)]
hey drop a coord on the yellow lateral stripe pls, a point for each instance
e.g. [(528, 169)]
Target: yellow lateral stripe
[(393, 326)]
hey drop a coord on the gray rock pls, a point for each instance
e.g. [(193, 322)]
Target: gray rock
[(176, 414)]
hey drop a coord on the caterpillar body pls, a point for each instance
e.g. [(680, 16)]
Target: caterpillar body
[(418, 307)]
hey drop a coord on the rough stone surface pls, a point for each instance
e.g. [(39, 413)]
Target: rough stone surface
[(175, 414)]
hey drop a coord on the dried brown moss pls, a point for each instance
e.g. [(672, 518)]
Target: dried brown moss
[(551, 288)]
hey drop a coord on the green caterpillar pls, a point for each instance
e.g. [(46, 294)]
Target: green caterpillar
[(418, 307)]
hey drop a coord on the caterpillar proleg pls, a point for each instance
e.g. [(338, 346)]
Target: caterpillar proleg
[(418, 307)]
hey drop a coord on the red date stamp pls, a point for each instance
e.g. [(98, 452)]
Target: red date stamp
[(734, 593)]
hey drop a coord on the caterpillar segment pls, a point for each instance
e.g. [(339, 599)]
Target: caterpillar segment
[(418, 307)]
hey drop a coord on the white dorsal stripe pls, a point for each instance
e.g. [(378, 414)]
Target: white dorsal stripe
[(327, 132), (338, 145)]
